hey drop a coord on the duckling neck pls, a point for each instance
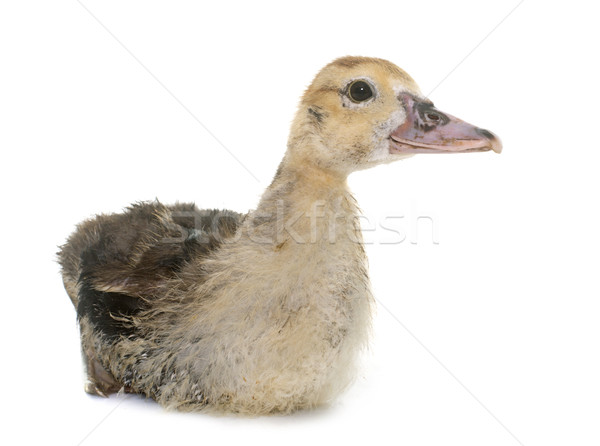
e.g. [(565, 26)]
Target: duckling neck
[(306, 204)]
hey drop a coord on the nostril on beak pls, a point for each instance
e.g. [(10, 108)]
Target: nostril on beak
[(485, 133)]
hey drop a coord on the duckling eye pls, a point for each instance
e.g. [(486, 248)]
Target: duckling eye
[(360, 91)]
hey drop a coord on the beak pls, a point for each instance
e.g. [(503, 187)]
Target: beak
[(428, 130)]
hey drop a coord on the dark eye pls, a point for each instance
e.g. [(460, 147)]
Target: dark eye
[(360, 91)]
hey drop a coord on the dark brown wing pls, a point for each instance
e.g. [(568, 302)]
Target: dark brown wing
[(114, 265)]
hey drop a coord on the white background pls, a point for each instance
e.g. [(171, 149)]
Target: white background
[(506, 303)]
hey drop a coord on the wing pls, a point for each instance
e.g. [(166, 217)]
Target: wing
[(115, 265)]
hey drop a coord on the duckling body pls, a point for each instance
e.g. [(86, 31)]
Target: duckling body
[(244, 317), (257, 313)]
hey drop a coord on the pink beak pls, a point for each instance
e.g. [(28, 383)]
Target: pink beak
[(428, 130)]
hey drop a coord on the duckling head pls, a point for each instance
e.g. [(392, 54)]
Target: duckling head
[(359, 112)]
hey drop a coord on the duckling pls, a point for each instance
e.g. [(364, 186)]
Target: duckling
[(264, 312)]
